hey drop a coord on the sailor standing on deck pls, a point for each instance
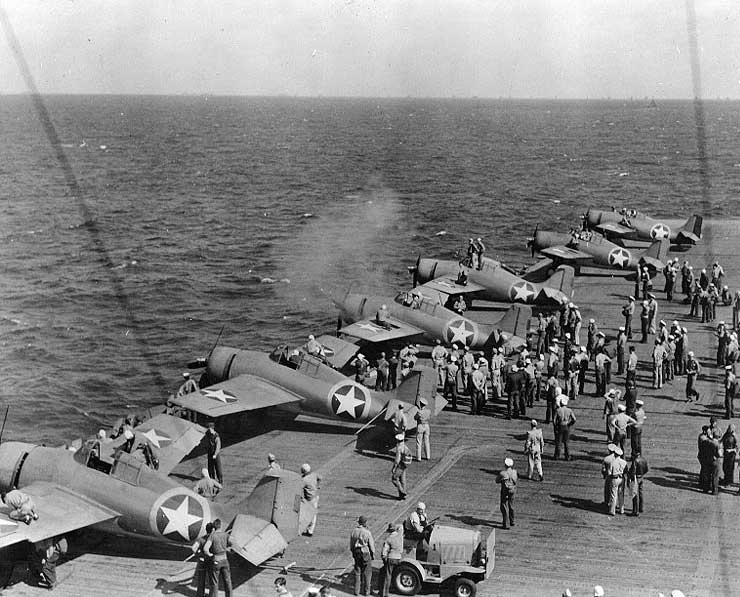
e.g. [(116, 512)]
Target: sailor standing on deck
[(439, 360), (508, 479), (213, 442), (311, 482), (362, 548), (422, 417)]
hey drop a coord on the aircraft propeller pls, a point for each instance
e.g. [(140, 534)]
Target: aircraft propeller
[(531, 240), (201, 362), (414, 271)]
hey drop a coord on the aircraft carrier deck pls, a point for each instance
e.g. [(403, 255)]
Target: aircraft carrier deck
[(563, 539)]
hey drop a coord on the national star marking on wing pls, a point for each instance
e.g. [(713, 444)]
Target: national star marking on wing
[(219, 395), (179, 519), (348, 401), (155, 438)]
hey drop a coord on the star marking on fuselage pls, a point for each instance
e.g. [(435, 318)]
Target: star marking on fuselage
[(346, 397), (619, 257), (460, 330), (368, 326), (179, 519), (660, 230), (156, 439), (521, 291), (220, 395)]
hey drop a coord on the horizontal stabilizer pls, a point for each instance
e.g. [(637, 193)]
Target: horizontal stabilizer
[(439, 404), (256, 540), (687, 238)]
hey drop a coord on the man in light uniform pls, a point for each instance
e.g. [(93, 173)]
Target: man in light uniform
[(311, 482), (362, 548), (439, 359), (615, 471), (422, 417), (188, 385), (508, 479), (391, 554), (533, 447)]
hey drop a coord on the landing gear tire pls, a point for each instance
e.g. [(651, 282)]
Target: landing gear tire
[(406, 580), (464, 587)]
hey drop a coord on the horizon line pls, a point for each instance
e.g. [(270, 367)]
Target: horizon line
[(379, 97)]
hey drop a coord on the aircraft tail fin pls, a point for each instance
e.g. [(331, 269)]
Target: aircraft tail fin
[(690, 232), (516, 320), (275, 515), (656, 253), (421, 382), (562, 280)]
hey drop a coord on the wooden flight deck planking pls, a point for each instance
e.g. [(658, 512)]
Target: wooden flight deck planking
[(562, 539)]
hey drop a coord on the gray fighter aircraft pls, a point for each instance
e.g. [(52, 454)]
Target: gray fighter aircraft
[(413, 315), (630, 224), (104, 485)]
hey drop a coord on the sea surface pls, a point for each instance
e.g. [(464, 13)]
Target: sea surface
[(200, 213)]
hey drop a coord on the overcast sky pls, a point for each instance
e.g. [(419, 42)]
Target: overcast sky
[(484, 48)]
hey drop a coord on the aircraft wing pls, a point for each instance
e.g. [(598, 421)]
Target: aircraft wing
[(60, 511), (614, 229), (171, 439), (561, 253), (448, 286), (238, 394), (372, 332), (337, 352)]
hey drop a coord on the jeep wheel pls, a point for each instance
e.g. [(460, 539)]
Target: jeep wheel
[(406, 580), (464, 587)]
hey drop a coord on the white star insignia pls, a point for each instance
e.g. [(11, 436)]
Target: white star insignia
[(219, 395), (179, 519), (660, 231), (619, 257), (348, 401), (522, 291), (368, 326), (460, 332), (155, 438)]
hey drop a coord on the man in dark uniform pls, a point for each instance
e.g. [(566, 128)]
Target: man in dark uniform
[(563, 421), (213, 442), (637, 471), (692, 372), (392, 371), (204, 563), (705, 459), (381, 380), (508, 479), (629, 311)]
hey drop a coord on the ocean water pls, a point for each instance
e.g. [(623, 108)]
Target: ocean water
[(197, 213)]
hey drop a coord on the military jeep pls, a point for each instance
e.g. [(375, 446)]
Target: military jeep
[(460, 557)]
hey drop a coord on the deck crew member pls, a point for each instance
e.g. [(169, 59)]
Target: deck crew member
[(621, 349), (564, 419), (21, 506), (206, 486), (311, 482), (615, 472), (188, 385), (422, 417), (216, 546), (692, 372), (362, 548), (636, 473), (450, 388), (382, 367), (508, 480), (533, 448), (213, 442), (314, 347), (477, 390), (272, 463), (400, 463), (203, 562), (622, 421), (439, 361), (480, 248), (391, 554)]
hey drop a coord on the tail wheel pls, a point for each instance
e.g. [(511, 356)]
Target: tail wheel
[(406, 580), (464, 587)]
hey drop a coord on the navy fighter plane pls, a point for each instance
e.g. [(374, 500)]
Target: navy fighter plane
[(103, 484), (299, 382), (583, 247), (414, 315), (629, 224), (492, 282)]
